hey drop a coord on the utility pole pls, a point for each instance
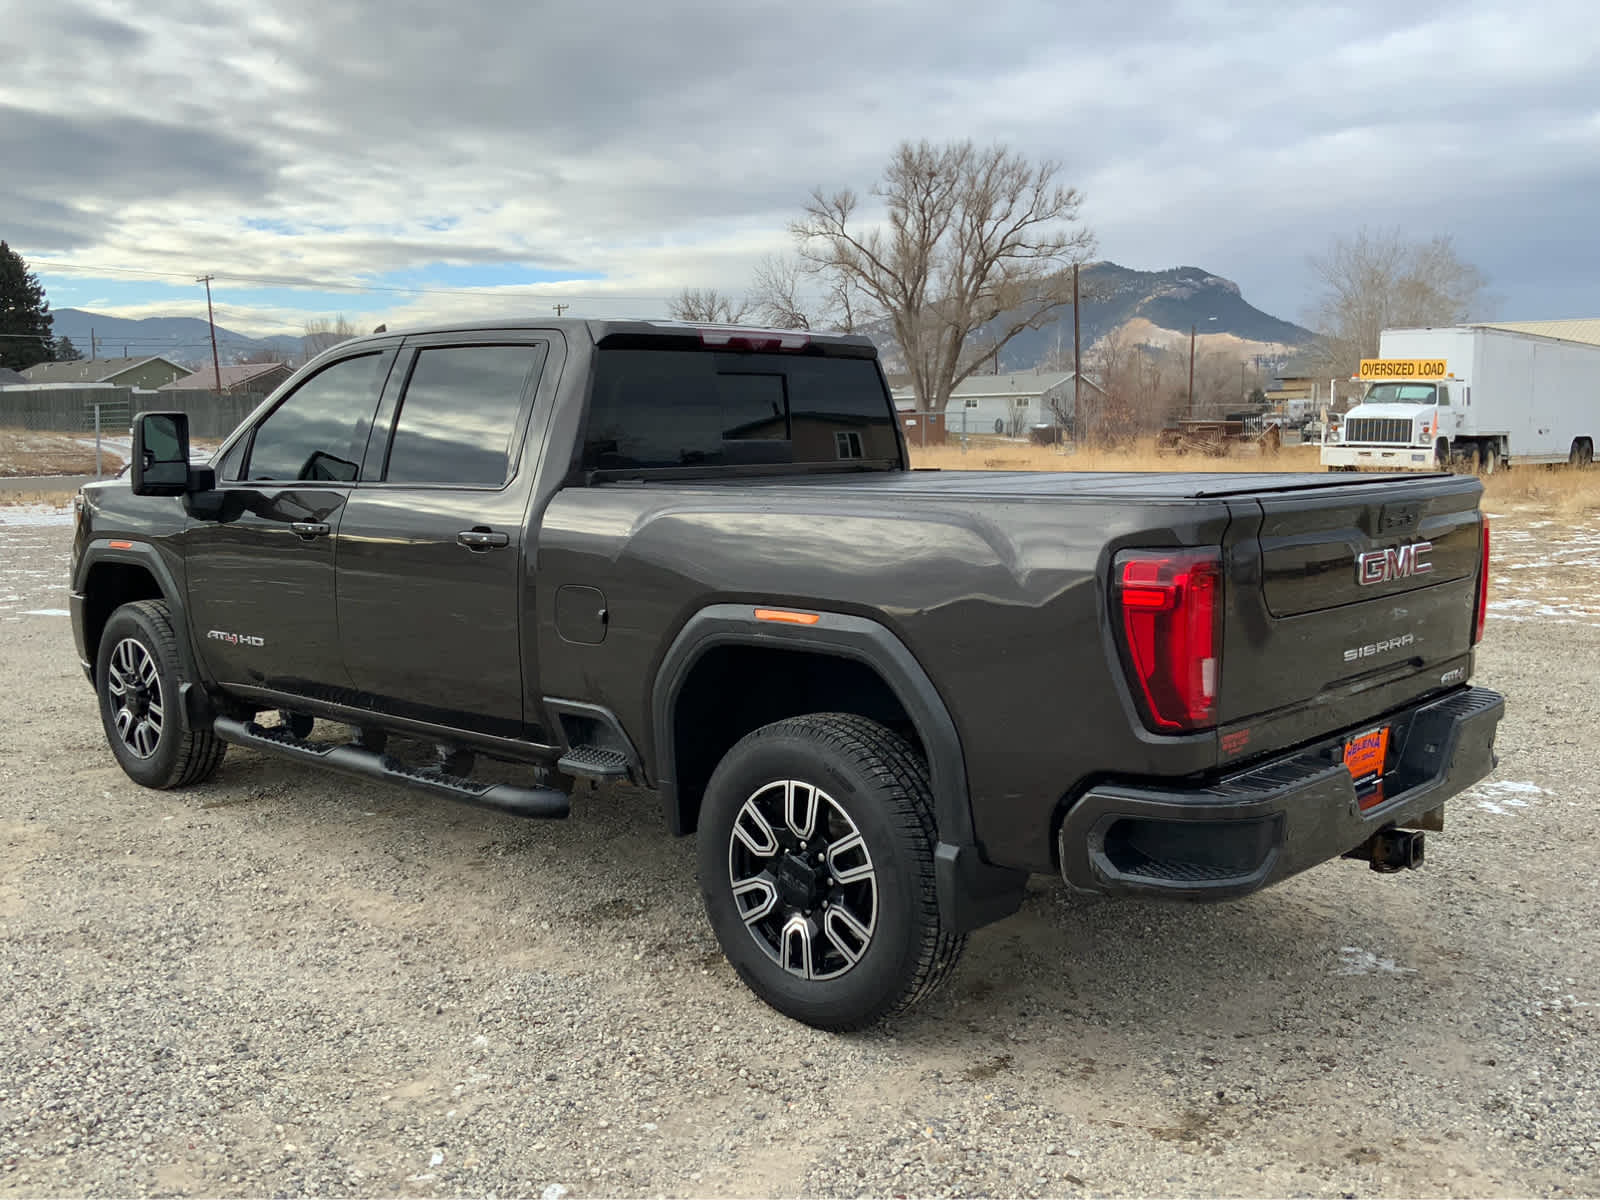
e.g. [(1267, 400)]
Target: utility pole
[(560, 308), (1191, 372), (1077, 359), (91, 344), (211, 317)]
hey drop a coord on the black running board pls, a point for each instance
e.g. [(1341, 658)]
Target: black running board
[(369, 764)]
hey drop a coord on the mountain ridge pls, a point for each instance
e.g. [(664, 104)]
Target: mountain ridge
[(182, 339), (1175, 299)]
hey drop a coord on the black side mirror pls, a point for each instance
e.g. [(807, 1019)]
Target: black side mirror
[(161, 454)]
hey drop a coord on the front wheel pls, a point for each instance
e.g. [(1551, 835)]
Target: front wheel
[(816, 865), (137, 678)]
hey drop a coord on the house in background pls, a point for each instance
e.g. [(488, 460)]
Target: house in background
[(1010, 403), (256, 379), (1295, 389), (150, 371)]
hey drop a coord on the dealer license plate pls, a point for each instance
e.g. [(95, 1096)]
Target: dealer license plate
[(1365, 753)]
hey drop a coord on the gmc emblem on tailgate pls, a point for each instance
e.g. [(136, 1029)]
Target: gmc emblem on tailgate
[(1397, 562)]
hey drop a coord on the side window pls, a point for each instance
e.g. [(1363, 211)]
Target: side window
[(1444, 396), (320, 431), (459, 414)]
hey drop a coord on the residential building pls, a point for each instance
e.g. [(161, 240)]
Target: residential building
[(1009, 403), (238, 379), (147, 371)]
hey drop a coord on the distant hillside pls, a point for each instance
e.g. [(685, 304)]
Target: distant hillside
[(1114, 296), (182, 339)]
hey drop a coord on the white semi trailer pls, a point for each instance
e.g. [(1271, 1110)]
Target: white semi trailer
[(1473, 396)]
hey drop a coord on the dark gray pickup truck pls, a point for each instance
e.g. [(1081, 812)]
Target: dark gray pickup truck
[(696, 558)]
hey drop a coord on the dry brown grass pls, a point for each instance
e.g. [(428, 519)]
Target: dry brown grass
[(37, 452), (1549, 490), (54, 497), (986, 455), (12, 500), (1561, 491)]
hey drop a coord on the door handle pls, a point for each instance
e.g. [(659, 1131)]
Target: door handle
[(482, 539), (311, 529)]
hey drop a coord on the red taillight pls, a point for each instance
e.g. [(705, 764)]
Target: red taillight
[(1482, 612), (759, 340), (1171, 607)]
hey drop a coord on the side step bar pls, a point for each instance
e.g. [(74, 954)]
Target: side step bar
[(594, 762), (369, 764)]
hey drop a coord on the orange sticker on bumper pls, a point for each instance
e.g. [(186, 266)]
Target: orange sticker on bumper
[(1365, 753)]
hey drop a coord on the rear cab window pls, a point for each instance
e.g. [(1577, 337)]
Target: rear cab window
[(460, 414), (682, 409)]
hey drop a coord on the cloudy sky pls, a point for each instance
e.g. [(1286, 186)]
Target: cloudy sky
[(417, 159)]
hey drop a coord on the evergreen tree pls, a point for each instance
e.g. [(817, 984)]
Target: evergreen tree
[(24, 314), (65, 351)]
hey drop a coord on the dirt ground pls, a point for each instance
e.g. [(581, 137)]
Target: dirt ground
[(34, 452), (287, 983)]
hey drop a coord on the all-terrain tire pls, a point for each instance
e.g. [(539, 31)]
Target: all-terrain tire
[(869, 783), (138, 674)]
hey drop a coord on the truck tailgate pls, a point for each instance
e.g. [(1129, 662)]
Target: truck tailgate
[(1361, 599)]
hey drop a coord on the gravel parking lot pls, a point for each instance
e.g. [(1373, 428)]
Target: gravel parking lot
[(285, 983)]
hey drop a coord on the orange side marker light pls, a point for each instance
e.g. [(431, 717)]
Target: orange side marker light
[(784, 616)]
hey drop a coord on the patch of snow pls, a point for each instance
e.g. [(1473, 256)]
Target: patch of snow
[(1353, 960), (1502, 796), (46, 612), (35, 514)]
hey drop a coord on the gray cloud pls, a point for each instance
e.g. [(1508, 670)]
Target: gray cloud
[(669, 144)]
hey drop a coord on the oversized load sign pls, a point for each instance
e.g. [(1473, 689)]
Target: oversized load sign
[(1403, 368)]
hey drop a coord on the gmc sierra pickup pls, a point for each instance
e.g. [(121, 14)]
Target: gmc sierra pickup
[(697, 558)]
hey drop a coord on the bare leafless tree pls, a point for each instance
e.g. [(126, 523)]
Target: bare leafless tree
[(695, 304), (975, 240), (323, 332), (262, 354), (1379, 279), (1141, 389), (778, 295)]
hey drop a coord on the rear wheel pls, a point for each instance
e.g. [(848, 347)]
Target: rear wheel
[(816, 865), (1488, 458), (1469, 458), (1582, 453), (138, 675)]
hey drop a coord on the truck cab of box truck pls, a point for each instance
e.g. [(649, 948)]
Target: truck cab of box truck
[(1400, 425)]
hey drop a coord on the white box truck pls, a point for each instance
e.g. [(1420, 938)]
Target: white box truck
[(1471, 396)]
